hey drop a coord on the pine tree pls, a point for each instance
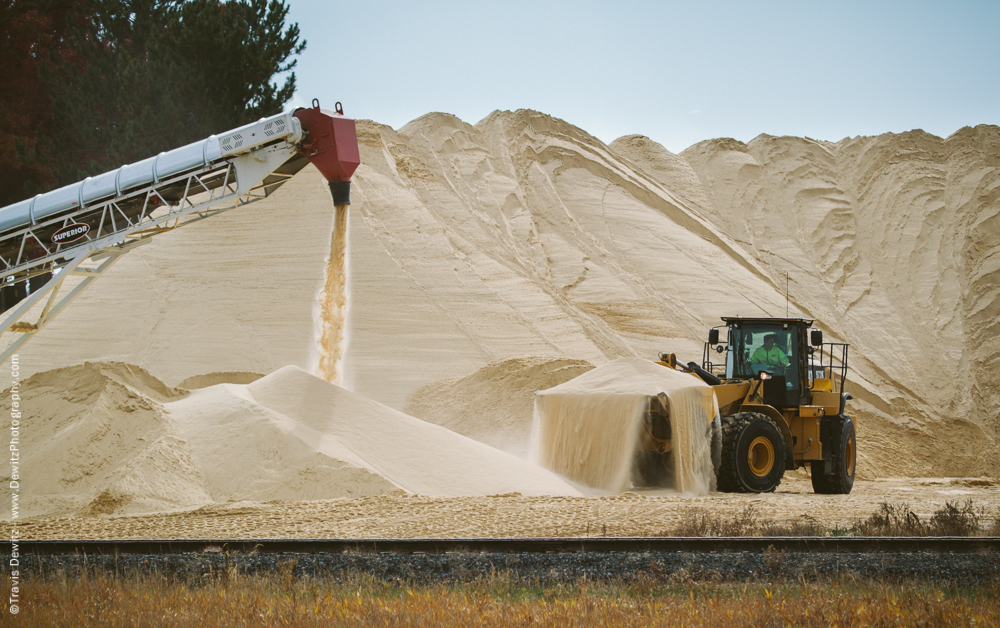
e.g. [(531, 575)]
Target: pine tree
[(132, 78), (31, 36)]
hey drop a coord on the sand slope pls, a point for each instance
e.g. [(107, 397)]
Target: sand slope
[(574, 248), (248, 452), (493, 405), (523, 234), (97, 439), (417, 456), (108, 438)]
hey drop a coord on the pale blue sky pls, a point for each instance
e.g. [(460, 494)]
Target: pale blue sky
[(678, 72)]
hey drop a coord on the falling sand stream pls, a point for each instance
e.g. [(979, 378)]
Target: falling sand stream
[(333, 303)]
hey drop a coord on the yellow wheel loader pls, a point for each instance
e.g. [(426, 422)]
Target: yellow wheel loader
[(781, 397)]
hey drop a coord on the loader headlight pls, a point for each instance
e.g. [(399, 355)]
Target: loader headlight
[(765, 375)]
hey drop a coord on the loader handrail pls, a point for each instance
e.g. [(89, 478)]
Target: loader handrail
[(827, 359)]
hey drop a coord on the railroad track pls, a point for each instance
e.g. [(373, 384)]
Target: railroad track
[(591, 545)]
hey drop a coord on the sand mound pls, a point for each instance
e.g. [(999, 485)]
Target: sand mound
[(588, 429), (495, 404), (221, 377), (96, 437), (248, 452), (415, 455), (112, 439), (83, 381)]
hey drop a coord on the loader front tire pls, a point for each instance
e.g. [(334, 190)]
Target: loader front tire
[(753, 454), (844, 458)]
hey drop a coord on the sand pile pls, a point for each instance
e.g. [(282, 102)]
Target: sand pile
[(523, 234), (96, 438), (248, 452), (495, 404), (416, 456), (588, 428), (890, 242), (110, 438)]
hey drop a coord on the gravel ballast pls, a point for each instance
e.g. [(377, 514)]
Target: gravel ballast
[(978, 569)]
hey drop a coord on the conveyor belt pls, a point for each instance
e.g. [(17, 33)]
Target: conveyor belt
[(79, 231)]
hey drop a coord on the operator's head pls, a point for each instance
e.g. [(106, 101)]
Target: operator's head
[(769, 341)]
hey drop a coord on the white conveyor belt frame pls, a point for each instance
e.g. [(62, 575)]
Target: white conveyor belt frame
[(212, 187)]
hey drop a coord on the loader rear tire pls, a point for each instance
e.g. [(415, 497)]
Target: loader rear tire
[(844, 454), (753, 454)]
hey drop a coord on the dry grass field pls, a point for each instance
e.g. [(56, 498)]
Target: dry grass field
[(283, 600), (286, 596)]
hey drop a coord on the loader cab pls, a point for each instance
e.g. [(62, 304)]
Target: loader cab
[(784, 385)]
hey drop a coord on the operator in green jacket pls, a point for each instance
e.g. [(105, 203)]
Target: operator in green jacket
[(769, 354)]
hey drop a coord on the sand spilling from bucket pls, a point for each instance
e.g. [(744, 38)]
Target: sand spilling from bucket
[(333, 303), (109, 438), (590, 438), (588, 428), (495, 404), (692, 416)]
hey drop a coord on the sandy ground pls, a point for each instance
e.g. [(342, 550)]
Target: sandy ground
[(413, 516)]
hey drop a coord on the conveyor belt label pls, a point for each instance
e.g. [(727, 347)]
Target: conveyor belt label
[(70, 233)]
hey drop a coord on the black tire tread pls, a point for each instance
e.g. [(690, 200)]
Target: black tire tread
[(833, 484), (728, 479)]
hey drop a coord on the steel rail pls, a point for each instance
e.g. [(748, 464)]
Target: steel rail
[(508, 545)]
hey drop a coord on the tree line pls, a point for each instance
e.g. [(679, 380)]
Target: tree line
[(89, 85)]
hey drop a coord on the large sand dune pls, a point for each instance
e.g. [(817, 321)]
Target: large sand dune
[(525, 235)]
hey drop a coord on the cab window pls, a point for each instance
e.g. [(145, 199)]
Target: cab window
[(746, 343)]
